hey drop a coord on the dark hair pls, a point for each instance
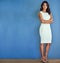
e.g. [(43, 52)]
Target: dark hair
[(48, 9)]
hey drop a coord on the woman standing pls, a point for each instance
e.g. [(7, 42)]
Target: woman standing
[(46, 19)]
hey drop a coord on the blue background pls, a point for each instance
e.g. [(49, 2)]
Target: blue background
[(19, 29)]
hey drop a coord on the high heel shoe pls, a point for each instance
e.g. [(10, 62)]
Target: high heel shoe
[(46, 59), (43, 60)]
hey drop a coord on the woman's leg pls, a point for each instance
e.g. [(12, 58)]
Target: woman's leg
[(47, 50), (42, 50)]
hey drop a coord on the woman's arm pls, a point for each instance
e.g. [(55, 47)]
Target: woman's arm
[(50, 20), (45, 21)]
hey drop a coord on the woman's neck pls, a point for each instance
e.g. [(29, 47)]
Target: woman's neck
[(44, 10)]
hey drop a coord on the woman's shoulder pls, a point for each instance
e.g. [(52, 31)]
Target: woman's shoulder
[(41, 12)]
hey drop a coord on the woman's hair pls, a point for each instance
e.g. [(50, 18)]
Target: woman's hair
[(48, 9)]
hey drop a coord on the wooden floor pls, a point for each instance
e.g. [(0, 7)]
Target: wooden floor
[(27, 61)]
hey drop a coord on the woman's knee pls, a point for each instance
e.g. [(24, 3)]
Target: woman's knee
[(48, 44)]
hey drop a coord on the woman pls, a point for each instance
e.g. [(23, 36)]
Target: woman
[(46, 19)]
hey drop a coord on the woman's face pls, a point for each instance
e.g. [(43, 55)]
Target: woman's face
[(44, 6)]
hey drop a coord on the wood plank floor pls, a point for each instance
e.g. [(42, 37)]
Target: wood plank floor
[(27, 61)]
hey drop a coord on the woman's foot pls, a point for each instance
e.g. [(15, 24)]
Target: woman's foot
[(43, 60), (46, 59)]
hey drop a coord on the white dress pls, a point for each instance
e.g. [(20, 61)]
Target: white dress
[(45, 29)]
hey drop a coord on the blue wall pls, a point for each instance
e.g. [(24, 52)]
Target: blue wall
[(19, 29)]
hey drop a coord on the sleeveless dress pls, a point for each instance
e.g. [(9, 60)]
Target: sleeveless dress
[(45, 29)]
